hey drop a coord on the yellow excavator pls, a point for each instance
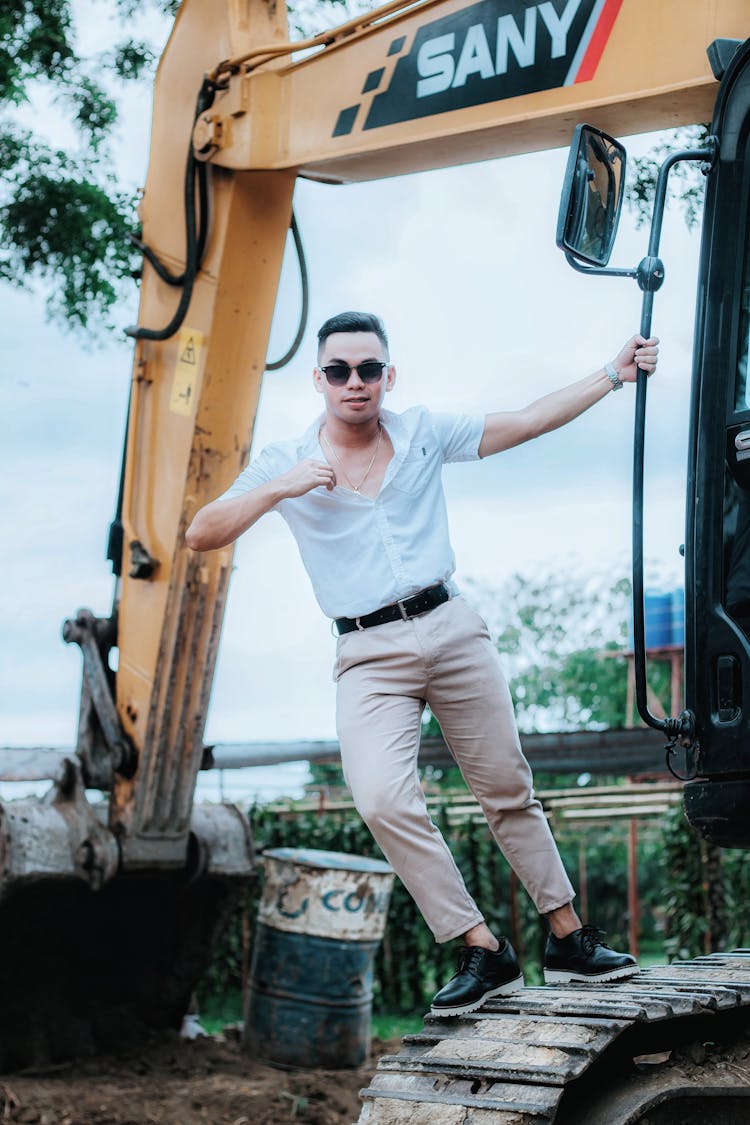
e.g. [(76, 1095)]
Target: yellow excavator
[(108, 909)]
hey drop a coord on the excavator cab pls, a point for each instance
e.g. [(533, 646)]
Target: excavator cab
[(710, 742), (717, 797)]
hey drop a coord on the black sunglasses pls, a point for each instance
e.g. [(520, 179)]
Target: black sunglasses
[(338, 374)]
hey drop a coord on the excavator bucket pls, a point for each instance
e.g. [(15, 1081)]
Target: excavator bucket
[(93, 958)]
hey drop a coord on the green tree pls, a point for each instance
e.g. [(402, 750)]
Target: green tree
[(563, 637), (563, 640), (687, 181), (63, 216)]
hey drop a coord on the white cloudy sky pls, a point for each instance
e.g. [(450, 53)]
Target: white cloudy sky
[(483, 313)]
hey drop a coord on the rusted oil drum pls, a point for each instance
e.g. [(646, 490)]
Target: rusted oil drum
[(320, 921)]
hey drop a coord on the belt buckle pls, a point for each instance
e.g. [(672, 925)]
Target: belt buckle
[(402, 609)]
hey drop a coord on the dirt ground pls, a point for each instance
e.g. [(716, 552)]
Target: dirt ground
[(183, 1082)]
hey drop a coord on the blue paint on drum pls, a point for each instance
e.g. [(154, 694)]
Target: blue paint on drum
[(310, 985), (309, 999)]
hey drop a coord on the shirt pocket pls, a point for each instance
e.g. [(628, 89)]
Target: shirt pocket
[(414, 469)]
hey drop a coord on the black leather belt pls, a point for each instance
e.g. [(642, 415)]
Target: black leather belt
[(422, 602)]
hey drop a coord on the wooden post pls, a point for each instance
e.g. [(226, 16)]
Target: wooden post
[(515, 926), (676, 684), (634, 907), (245, 956), (583, 882)]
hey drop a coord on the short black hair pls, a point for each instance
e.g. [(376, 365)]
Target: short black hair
[(352, 322)]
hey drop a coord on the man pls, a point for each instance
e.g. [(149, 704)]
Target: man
[(362, 494)]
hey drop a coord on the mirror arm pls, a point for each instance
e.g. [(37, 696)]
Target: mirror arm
[(609, 271)]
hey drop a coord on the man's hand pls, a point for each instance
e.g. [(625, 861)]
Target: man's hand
[(222, 521), (638, 352), (305, 476)]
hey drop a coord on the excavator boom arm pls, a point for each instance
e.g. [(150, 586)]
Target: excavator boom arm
[(400, 89)]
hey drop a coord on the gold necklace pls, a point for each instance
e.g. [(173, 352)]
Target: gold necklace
[(355, 487)]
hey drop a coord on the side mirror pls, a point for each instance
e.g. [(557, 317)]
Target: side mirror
[(592, 196)]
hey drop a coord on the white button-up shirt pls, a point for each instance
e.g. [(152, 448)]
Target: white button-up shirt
[(362, 553)]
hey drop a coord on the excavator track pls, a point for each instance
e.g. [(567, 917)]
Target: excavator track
[(665, 1047)]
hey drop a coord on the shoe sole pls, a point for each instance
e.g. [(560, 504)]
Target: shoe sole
[(557, 976), (504, 990)]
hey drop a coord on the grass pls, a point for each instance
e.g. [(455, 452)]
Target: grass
[(393, 1025), (218, 1012)]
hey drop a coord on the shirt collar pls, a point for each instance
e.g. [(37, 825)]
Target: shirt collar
[(397, 432)]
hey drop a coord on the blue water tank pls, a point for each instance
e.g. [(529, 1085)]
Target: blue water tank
[(657, 611), (678, 617), (657, 607)]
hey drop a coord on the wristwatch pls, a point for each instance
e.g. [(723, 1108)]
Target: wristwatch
[(613, 377)]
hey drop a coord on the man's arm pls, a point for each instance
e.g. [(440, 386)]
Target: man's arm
[(223, 521), (504, 430)]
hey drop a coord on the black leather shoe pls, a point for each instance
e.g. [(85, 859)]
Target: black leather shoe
[(479, 975), (583, 956)]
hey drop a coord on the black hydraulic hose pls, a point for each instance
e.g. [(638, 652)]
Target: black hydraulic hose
[(152, 257), (191, 266), (305, 284), (194, 240), (116, 531)]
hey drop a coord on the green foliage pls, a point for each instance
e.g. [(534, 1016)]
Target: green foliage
[(390, 1026), (130, 9), (131, 60), (707, 892), (35, 40), (562, 637), (60, 225), (63, 217), (94, 112), (222, 981), (325, 775), (687, 183), (736, 886), (310, 17), (410, 966), (553, 632), (602, 852)]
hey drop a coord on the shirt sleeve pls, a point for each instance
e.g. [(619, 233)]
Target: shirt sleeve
[(458, 435), (261, 469)]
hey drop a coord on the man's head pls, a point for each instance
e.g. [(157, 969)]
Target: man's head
[(352, 322), (353, 372)]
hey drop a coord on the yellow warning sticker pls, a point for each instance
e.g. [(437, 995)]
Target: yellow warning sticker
[(186, 368)]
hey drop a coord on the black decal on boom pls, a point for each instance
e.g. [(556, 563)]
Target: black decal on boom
[(494, 50), (345, 122), (373, 80)]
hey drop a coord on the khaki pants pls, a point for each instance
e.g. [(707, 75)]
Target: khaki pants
[(385, 675)]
